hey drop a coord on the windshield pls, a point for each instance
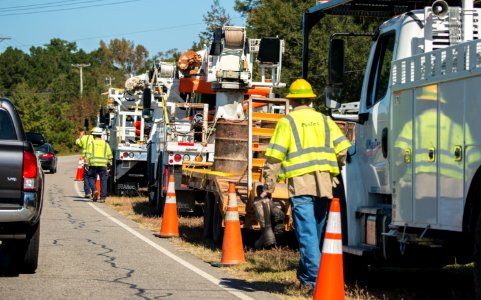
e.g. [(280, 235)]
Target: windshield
[(7, 130), (44, 148)]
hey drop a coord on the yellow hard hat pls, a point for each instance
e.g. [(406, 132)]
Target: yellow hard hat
[(300, 88)]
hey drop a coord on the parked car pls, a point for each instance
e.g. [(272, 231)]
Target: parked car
[(47, 157), (36, 138), (21, 190)]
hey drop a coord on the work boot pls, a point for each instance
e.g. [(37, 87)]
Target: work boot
[(95, 195), (263, 214), (277, 216)]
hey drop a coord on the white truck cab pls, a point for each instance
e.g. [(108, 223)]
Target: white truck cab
[(413, 174)]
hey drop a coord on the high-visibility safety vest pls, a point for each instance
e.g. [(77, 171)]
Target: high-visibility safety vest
[(306, 141), (83, 142), (98, 153)]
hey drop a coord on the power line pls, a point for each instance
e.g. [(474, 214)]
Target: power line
[(72, 8), (122, 34), (45, 5)]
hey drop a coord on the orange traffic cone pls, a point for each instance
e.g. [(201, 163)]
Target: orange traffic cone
[(97, 184), (330, 278), (170, 223), (80, 170), (232, 249)]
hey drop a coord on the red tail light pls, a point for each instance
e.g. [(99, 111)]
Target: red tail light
[(29, 171), (46, 155), (177, 157)]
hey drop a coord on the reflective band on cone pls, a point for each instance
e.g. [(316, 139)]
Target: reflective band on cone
[(232, 248), (170, 222), (330, 278)]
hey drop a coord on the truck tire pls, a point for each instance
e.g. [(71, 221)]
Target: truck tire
[(160, 202), (27, 251), (208, 214), (152, 194), (111, 181), (355, 268), (477, 258), (217, 229)]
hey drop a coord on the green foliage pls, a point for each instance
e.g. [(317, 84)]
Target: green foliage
[(126, 55), (267, 18), (216, 17), (45, 85)]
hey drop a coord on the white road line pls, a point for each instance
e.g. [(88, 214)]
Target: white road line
[(173, 256), (77, 188)]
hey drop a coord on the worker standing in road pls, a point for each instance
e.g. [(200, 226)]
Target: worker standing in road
[(99, 159), (308, 149), (82, 141)]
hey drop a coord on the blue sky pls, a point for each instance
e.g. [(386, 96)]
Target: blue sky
[(159, 25)]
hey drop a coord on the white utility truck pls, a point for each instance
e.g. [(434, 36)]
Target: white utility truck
[(126, 136), (179, 135), (412, 184)]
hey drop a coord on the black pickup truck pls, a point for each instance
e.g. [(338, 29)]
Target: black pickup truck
[(21, 191)]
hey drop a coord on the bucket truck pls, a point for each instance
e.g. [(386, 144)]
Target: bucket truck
[(126, 137), (242, 128), (179, 132)]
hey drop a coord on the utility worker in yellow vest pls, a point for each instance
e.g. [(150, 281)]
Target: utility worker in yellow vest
[(307, 148), (99, 159), (82, 141)]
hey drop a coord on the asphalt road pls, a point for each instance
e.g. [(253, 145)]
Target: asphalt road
[(89, 251)]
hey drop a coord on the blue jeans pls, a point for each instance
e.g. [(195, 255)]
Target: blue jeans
[(104, 176), (87, 188), (309, 214)]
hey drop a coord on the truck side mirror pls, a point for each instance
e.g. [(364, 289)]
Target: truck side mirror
[(216, 46), (336, 62), (332, 95), (269, 50), (86, 124), (146, 102), (147, 98)]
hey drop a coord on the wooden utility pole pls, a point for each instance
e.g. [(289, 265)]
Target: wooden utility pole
[(109, 80), (81, 66)]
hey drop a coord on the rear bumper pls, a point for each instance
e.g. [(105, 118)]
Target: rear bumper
[(25, 213), (46, 164)]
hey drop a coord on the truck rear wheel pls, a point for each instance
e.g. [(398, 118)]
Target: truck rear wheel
[(477, 258), (27, 250), (217, 229), (208, 215)]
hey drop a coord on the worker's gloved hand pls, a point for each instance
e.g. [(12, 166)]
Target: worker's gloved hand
[(86, 167), (265, 194), (335, 182)]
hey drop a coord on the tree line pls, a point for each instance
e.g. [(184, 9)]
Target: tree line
[(44, 83)]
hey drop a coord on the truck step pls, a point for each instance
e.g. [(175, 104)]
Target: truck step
[(359, 250)]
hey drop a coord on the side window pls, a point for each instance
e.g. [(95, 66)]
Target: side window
[(380, 69), (7, 129)]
